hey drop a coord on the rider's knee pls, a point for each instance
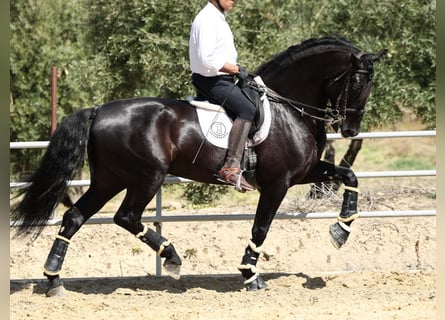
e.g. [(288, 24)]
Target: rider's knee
[(248, 113)]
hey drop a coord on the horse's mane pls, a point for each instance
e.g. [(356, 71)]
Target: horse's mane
[(305, 49)]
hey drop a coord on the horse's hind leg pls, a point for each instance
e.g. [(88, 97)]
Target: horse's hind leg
[(73, 219), (325, 171), (129, 217)]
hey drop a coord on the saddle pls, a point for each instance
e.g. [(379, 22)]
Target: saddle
[(250, 92), (216, 121), (206, 108)]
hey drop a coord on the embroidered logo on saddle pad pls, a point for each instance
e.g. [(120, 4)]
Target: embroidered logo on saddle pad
[(216, 124)]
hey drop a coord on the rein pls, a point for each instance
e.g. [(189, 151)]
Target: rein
[(300, 106), (336, 114)]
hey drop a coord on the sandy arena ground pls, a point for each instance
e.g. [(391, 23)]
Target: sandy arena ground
[(387, 270)]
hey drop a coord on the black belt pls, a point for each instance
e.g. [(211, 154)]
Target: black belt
[(226, 77)]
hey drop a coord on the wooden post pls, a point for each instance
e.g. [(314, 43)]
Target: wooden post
[(53, 99)]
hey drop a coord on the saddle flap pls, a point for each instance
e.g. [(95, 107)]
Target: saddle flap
[(216, 123)]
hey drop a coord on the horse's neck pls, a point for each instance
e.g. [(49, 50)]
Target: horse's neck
[(310, 94), (305, 81)]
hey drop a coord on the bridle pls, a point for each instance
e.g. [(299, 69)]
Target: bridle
[(331, 115), (342, 109)]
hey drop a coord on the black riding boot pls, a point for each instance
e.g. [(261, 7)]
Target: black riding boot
[(231, 172)]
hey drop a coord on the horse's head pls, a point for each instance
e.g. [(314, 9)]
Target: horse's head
[(349, 91), (316, 71)]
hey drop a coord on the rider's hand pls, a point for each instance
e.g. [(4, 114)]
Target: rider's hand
[(242, 73)]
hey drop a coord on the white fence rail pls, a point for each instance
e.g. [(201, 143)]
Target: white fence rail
[(331, 136)]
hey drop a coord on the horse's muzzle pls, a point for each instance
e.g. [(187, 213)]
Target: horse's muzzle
[(349, 133)]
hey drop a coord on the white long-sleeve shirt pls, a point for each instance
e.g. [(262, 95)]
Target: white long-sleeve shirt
[(211, 42)]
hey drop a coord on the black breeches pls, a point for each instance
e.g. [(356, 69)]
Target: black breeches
[(222, 90)]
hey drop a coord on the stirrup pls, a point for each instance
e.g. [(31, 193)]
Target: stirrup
[(234, 176)]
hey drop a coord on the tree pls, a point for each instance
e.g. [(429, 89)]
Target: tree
[(407, 28), (44, 34), (145, 44)]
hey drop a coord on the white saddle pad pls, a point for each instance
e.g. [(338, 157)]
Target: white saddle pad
[(216, 124)]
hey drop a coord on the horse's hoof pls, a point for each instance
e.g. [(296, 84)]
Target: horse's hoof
[(256, 284), (339, 234), (173, 270), (58, 291)]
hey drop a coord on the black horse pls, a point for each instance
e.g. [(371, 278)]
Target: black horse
[(133, 144)]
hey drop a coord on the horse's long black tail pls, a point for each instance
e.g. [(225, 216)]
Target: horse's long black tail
[(63, 158)]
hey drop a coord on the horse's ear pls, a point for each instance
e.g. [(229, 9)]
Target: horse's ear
[(378, 56), (356, 58)]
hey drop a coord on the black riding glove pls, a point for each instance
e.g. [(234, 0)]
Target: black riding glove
[(242, 75)]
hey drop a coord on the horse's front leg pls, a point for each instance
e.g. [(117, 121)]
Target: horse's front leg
[(325, 171), (268, 204)]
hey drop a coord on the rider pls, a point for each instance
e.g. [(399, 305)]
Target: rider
[(213, 62)]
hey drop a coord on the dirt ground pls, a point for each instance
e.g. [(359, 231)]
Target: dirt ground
[(387, 270)]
